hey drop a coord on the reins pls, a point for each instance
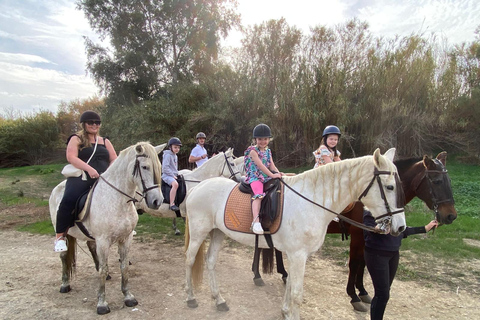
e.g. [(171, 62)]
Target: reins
[(376, 176), (232, 173)]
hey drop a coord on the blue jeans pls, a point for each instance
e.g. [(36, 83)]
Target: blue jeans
[(382, 266)]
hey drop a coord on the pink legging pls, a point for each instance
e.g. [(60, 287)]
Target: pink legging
[(257, 187)]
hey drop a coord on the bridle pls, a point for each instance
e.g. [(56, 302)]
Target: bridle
[(376, 176), (227, 164), (233, 174), (400, 194), (136, 170), (435, 197)]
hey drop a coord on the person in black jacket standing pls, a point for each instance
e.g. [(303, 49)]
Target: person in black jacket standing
[(381, 257)]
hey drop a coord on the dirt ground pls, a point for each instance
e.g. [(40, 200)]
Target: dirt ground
[(31, 276)]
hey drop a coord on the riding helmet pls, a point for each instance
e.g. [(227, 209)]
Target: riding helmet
[(89, 115), (201, 135), (331, 130), (174, 141), (262, 131)]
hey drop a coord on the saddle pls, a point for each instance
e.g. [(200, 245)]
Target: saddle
[(82, 209), (181, 191), (238, 210)]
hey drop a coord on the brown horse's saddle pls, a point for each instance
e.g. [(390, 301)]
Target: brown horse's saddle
[(238, 210)]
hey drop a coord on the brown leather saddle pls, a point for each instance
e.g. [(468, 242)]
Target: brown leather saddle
[(238, 210)]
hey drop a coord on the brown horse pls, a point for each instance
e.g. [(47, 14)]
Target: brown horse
[(424, 178)]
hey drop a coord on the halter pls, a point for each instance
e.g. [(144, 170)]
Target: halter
[(136, 170), (376, 175), (436, 199), (400, 194)]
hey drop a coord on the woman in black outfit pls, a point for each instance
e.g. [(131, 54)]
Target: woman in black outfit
[(381, 258), (80, 147)]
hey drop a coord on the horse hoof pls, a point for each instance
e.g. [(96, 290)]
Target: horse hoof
[(223, 307), (284, 280), (259, 282), (192, 303), (177, 232), (359, 306), (366, 298), (65, 289), (108, 277), (131, 302), (103, 310)]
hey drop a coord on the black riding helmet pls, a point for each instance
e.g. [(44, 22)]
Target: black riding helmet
[(331, 130), (89, 115), (174, 141), (262, 131)]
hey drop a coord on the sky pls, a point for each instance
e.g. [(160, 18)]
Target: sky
[(42, 51)]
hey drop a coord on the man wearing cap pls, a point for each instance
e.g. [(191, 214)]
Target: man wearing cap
[(199, 153)]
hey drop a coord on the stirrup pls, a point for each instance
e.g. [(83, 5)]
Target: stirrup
[(60, 245)]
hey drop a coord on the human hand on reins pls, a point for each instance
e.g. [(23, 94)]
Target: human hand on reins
[(93, 173)]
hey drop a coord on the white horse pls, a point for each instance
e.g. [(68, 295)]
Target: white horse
[(112, 216), (304, 224), (220, 165)]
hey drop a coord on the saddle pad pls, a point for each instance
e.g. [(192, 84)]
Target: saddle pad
[(238, 212), (82, 215)]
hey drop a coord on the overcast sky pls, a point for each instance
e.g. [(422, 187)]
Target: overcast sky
[(42, 53)]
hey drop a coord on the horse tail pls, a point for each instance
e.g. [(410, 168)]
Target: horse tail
[(267, 260), (197, 268), (71, 257)]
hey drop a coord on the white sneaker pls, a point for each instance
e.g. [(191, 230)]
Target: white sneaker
[(60, 245), (257, 228), (134, 232)]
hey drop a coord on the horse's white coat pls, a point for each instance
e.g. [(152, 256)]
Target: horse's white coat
[(217, 166), (303, 226), (112, 219)]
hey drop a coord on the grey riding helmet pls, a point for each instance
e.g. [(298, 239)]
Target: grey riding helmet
[(262, 131), (331, 130)]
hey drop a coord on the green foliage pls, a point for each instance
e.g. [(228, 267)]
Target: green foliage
[(28, 140)]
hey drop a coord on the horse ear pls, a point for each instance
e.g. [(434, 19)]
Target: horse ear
[(390, 154), (428, 163), (159, 148), (442, 157), (377, 157), (139, 149)]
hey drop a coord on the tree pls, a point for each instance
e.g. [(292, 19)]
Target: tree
[(154, 43)]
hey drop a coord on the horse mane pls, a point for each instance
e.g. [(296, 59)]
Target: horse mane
[(404, 164)]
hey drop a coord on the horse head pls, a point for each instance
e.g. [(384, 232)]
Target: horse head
[(384, 194), (147, 172), (435, 188)]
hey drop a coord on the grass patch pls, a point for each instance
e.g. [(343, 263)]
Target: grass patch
[(150, 227), (41, 227)]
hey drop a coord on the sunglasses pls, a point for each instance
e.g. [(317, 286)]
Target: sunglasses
[(92, 122)]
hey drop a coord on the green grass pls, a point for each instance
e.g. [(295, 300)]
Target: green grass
[(41, 227)]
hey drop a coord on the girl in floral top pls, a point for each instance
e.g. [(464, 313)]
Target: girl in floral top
[(327, 152), (259, 169)]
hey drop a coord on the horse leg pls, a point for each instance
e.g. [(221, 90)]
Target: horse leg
[(174, 223), (194, 259), (294, 290), (123, 248), (102, 253), (280, 266), (257, 278), (364, 296), (92, 247), (68, 264), (357, 247), (212, 255)]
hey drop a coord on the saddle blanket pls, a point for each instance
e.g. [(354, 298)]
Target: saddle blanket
[(238, 212)]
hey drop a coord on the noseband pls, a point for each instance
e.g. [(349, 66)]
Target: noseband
[(400, 195)]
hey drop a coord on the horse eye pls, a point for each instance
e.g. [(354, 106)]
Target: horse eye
[(144, 167), (390, 187), (437, 181)]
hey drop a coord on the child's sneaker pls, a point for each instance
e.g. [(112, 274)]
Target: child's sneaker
[(174, 208), (60, 245), (257, 228)]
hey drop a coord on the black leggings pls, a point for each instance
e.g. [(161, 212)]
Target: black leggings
[(382, 266), (74, 188)]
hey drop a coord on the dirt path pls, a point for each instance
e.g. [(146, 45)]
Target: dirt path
[(30, 282)]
